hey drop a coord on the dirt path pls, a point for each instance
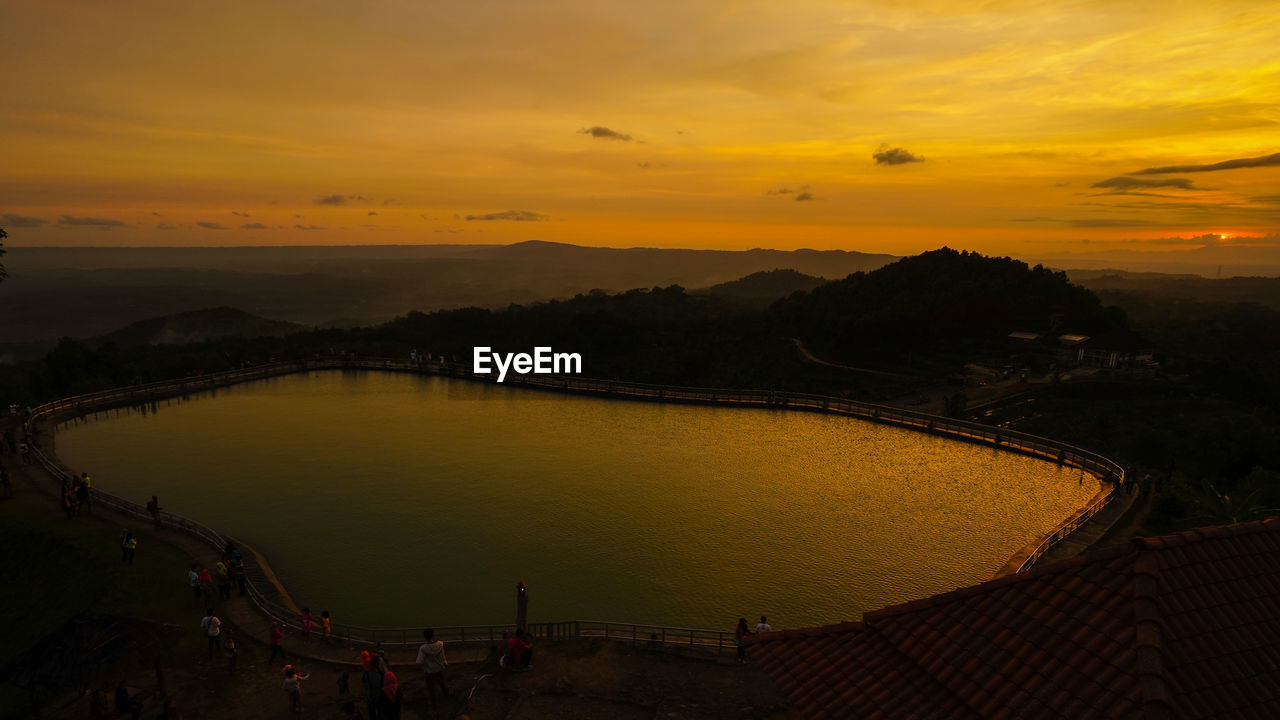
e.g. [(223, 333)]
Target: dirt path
[(810, 357)]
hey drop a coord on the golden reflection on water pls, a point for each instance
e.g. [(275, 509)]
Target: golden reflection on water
[(401, 500)]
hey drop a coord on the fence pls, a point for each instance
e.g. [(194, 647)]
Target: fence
[(261, 591)]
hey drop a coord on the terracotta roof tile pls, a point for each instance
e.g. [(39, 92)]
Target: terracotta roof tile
[(1184, 627)]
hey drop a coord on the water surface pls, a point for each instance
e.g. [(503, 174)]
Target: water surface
[(401, 500)]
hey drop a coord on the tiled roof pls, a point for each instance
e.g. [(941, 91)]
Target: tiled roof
[(1179, 627)]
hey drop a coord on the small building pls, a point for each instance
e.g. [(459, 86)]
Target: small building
[(1181, 627), (1115, 349)]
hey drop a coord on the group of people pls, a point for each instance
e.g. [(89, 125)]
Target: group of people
[(381, 686), (22, 446), (228, 571), (425, 360), (741, 631), (383, 696), (76, 495), (307, 622)]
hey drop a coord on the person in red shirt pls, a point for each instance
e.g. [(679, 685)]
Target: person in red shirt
[(206, 585), (519, 650), (276, 636)]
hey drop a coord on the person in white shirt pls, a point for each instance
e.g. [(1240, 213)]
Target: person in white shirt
[(212, 627), (293, 687), (431, 658), (763, 625)]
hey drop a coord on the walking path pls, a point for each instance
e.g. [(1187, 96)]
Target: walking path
[(239, 611), (1092, 531)]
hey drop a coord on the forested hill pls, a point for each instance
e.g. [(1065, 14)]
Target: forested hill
[(940, 310), (763, 288), (943, 303), (198, 326)]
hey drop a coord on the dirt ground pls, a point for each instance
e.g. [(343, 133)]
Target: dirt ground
[(570, 679)]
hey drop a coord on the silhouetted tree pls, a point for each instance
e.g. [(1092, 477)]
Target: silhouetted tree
[(3, 235)]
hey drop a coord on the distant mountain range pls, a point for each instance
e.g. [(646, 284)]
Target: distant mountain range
[(88, 292), (1118, 287)]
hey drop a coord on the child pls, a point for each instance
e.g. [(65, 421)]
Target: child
[(229, 644), (293, 686), (327, 623), (276, 636), (307, 617)]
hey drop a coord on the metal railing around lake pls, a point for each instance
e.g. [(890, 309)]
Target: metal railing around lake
[(263, 592)]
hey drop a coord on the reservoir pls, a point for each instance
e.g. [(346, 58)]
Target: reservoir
[(400, 500)]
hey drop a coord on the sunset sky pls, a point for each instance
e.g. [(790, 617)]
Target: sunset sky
[(1008, 127)]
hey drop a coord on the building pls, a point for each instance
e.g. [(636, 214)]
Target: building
[(1180, 627), (1114, 349)]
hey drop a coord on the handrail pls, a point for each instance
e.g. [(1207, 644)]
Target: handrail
[(694, 639)]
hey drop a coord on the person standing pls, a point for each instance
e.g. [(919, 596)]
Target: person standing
[(5, 486), (739, 633), (519, 650), (372, 679), (526, 650), (233, 654), (763, 626), (193, 579), (431, 658), (389, 702), (326, 624), (127, 547), (241, 582), (222, 574), (85, 485), (153, 508), (206, 585), (307, 620), (293, 686), (212, 629), (276, 636)]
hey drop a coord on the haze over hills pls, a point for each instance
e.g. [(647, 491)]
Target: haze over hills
[(1214, 257), (197, 326), (1118, 287), (87, 292)]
